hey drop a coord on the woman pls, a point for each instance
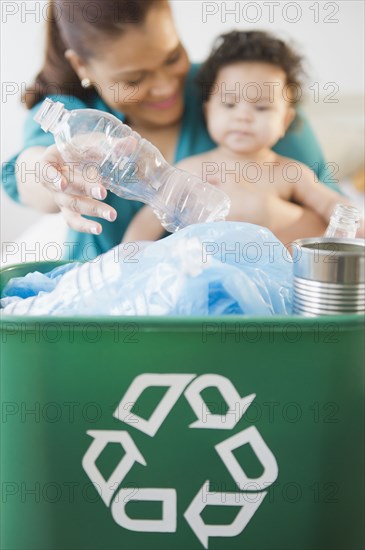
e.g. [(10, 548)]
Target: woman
[(125, 58)]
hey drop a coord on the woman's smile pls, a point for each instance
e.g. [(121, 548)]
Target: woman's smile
[(164, 104)]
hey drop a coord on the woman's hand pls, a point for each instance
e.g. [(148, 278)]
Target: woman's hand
[(76, 192)]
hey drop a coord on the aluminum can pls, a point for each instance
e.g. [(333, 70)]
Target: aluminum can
[(329, 277)]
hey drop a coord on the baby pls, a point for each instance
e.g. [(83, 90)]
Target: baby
[(249, 86)]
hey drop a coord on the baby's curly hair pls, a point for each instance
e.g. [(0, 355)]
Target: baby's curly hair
[(249, 46)]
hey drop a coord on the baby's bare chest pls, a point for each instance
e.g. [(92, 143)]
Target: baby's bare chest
[(274, 178)]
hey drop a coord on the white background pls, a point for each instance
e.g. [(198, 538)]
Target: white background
[(334, 51)]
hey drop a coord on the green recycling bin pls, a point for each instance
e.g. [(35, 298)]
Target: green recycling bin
[(181, 433)]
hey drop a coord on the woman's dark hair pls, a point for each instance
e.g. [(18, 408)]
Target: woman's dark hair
[(80, 26), (249, 46)]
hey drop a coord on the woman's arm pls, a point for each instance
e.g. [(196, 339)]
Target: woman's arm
[(143, 227)]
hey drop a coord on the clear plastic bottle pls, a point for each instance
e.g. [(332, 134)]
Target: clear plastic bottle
[(344, 222), (130, 166)]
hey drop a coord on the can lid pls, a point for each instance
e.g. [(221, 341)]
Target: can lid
[(328, 260)]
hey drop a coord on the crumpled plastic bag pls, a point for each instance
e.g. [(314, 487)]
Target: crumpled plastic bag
[(219, 268), (35, 282)]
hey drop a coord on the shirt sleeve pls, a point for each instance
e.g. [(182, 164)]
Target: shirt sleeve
[(34, 136)]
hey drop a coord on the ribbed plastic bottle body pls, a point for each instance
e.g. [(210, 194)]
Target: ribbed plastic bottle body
[(91, 288), (344, 222), (102, 148), (185, 199)]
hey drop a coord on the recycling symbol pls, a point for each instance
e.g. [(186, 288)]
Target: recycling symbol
[(116, 497)]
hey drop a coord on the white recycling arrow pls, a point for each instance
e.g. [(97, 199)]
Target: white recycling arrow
[(252, 437), (107, 487), (237, 405), (177, 383), (204, 498), (167, 524)]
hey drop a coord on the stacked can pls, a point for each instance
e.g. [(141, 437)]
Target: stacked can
[(329, 277)]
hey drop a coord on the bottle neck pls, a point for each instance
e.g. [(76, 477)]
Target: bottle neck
[(344, 222), (59, 121), (52, 115)]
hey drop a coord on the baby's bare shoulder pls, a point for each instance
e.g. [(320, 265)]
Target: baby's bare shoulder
[(304, 172), (287, 161)]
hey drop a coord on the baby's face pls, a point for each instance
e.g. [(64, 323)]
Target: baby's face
[(249, 108)]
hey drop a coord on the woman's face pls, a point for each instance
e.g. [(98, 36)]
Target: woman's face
[(142, 73)]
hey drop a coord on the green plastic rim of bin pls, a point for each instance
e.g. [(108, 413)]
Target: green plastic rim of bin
[(176, 433)]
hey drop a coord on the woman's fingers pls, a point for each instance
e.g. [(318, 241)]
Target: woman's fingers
[(77, 190), (50, 168), (78, 223), (84, 206), (57, 176), (84, 184), (83, 177), (75, 207)]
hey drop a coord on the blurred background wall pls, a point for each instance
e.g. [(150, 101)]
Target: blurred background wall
[(329, 34)]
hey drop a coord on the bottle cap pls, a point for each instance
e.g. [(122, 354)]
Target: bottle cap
[(48, 114)]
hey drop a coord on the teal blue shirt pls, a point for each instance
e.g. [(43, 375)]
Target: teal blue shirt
[(299, 143)]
